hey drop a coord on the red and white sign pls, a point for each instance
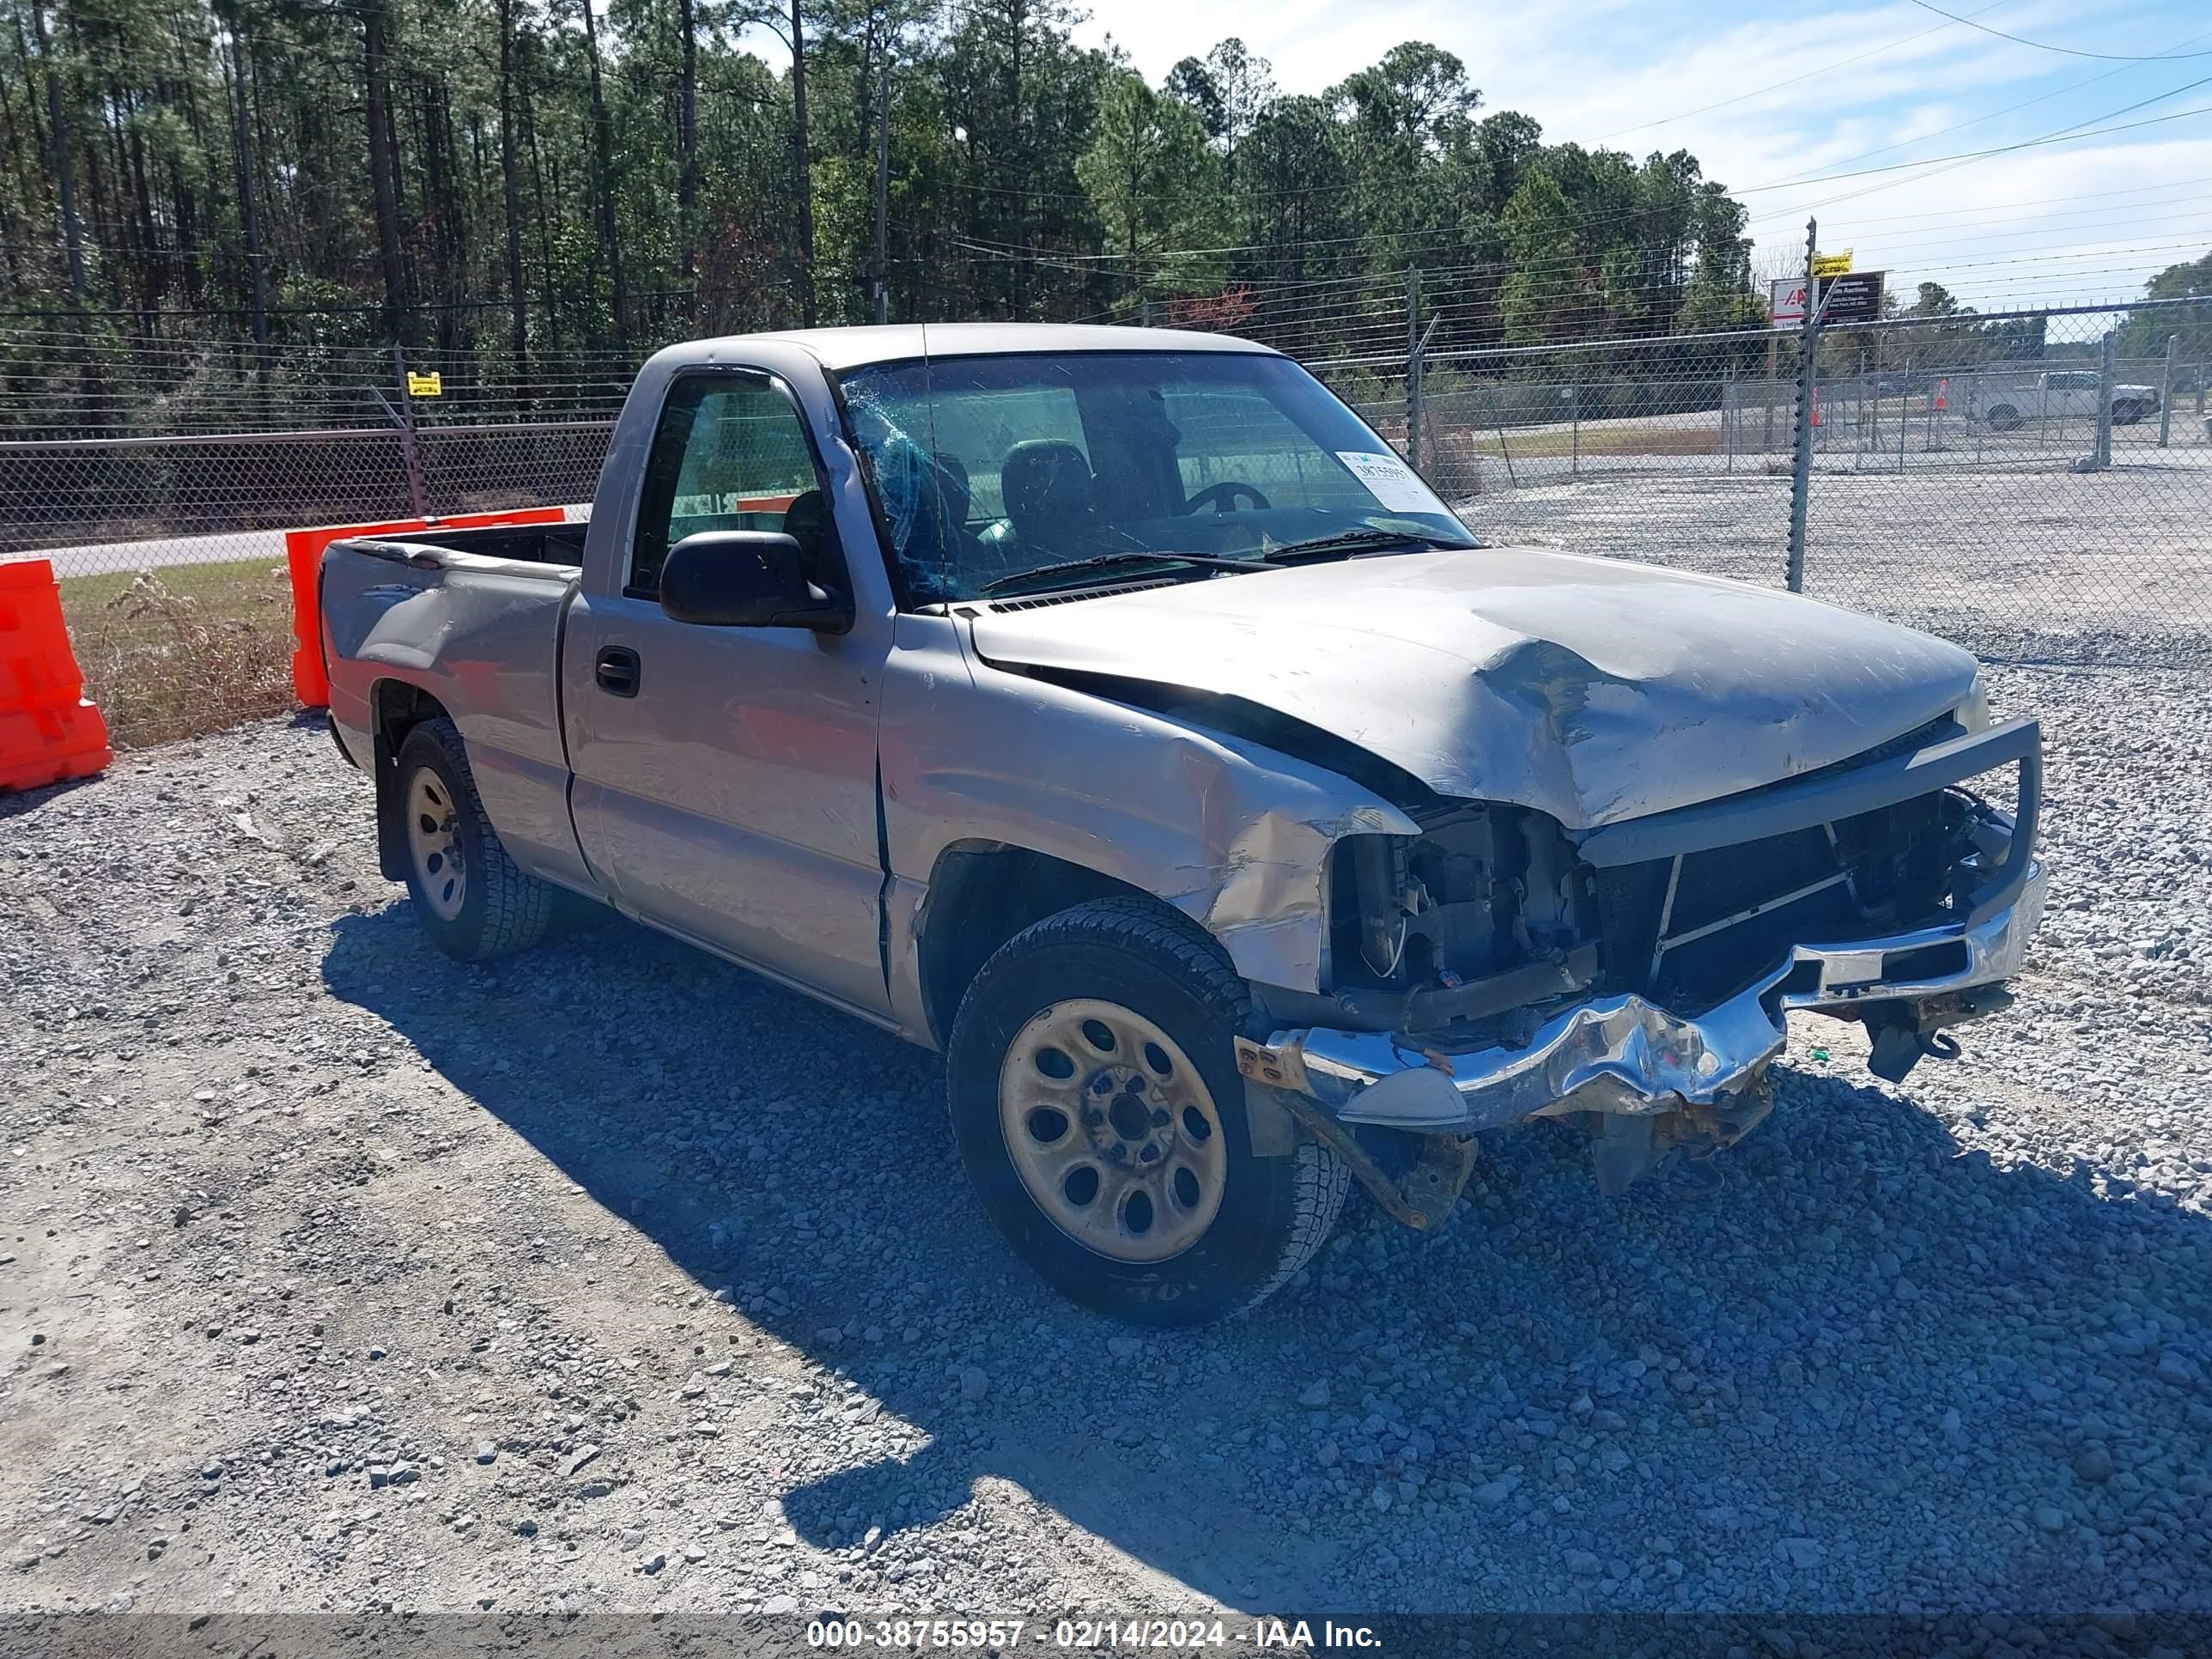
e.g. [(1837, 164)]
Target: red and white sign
[(1788, 298)]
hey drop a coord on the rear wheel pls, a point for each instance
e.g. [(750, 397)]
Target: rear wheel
[(2004, 417), (1100, 1114), (471, 898)]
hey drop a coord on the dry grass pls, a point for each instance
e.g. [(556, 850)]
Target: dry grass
[(183, 651), (1552, 443)]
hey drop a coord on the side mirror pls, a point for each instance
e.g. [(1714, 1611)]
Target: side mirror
[(747, 578)]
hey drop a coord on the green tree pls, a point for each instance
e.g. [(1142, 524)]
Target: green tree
[(1157, 187)]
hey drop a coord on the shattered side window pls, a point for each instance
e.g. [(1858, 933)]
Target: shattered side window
[(923, 494)]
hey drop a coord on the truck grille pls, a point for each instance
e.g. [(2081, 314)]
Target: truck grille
[(1689, 932)]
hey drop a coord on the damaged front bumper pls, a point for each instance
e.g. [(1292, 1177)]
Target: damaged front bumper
[(1627, 1054), (1624, 1054)]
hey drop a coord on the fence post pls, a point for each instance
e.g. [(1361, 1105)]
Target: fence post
[(1728, 414), (410, 456), (1801, 469), (2105, 370), (1413, 366), (2166, 395), (1575, 419)]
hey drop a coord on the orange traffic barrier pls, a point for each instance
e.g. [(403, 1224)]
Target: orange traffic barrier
[(49, 729), (303, 557)]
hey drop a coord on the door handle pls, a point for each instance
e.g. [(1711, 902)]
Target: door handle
[(617, 670)]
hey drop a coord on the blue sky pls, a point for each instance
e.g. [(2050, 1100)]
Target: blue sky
[(1764, 96)]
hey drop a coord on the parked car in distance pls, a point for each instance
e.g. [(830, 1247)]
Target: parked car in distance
[(1112, 710), (2062, 394)]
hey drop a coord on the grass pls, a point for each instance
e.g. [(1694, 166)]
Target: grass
[(1555, 443), (183, 651)]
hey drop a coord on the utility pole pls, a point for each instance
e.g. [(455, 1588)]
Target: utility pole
[(883, 189)]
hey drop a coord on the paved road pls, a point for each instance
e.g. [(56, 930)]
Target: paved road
[(161, 553), (98, 558)]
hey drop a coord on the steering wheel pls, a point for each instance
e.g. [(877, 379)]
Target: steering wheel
[(1222, 497)]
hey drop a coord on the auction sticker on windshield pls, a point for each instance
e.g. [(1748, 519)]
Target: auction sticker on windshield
[(1391, 482)]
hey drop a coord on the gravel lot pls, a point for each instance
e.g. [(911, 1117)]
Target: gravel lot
[(338, 1277), (2041, 565)]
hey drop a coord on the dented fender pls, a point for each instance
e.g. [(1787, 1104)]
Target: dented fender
[(1234, 835)]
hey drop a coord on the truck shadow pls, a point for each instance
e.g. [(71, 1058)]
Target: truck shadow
[(1884, 1352)]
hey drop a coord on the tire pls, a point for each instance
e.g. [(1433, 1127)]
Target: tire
[(486, 907), (2004, 418), (1218, 1243)]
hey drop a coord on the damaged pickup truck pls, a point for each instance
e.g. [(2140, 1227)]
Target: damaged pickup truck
[(1113, 711)]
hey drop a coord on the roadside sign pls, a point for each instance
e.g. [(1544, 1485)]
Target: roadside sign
[(432, 385), (1854, 298), (1832, 264), (1851, 298)]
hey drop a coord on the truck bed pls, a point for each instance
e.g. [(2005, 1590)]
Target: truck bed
[(471, 618), (559, 546)]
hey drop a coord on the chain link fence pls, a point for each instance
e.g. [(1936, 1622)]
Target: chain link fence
[(159, 477), (2034, 484)]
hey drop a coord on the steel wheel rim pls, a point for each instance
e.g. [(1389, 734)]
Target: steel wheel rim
[(1112, 1130), (434, 843)]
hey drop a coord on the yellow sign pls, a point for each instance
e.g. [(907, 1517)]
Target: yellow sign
[(1832, 264), (432, 385)]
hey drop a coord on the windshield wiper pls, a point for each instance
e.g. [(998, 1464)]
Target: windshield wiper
[(1108, 561), (1346, 541)]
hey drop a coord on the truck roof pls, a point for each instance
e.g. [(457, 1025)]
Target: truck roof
[(854, 347)]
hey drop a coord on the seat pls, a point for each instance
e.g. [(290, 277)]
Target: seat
[(1049, 495)]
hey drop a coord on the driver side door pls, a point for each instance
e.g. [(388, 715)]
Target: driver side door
[(724, 777)]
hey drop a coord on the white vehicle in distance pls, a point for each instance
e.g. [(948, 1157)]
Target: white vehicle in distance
[(2061, 394)]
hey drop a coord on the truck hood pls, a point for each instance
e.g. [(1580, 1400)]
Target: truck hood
[(1593, 689)]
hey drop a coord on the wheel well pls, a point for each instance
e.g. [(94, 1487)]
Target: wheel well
[(981, 895), (395, 709)]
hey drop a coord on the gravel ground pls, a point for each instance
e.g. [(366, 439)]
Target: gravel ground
[(2024, 565), (335, 1276)]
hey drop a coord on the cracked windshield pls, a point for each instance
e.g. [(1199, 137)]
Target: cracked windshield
[(1024, 473)]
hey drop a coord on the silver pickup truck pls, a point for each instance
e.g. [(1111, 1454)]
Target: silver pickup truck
[(1113, 711)]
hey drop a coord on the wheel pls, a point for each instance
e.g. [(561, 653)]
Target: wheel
[(468, 894), (2004, 417), (2127, 414), (1099, 1112)]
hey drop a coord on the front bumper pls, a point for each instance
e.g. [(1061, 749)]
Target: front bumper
[(1624, 1053)]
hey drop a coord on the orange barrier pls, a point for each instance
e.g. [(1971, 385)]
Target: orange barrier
[(303, 556), (49, 729)]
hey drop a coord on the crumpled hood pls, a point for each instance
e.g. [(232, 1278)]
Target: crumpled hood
[(1594, 690)]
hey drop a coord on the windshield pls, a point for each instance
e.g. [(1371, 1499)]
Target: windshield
[(990, 467)]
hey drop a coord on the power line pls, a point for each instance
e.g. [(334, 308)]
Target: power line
[(2041, 46), (2009, 109)]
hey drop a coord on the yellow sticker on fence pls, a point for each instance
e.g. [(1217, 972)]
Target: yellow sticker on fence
[(432, 385), (1832, 264)]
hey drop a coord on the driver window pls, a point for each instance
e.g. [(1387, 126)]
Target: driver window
[(729, 454)]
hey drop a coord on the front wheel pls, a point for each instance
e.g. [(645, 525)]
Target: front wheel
[(1098, 1110)]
